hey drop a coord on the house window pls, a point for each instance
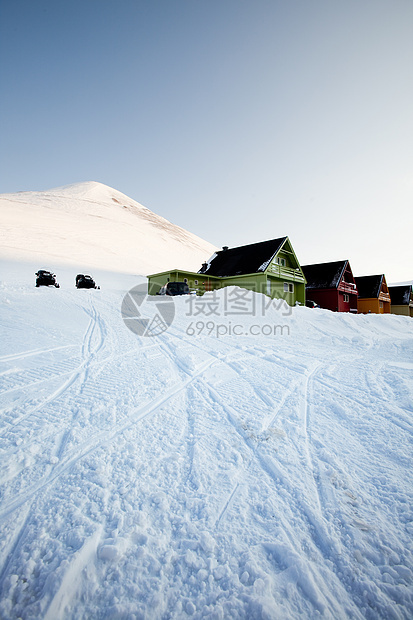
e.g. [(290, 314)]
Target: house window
[(280, 261), (288, 287), (186, 280), (196, 282), (381, 304), (269, 287), (346, 298)]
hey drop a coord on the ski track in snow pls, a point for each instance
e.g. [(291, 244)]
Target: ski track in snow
[(215, 478)]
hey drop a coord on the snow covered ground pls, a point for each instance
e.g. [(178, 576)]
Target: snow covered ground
[(245, 463)]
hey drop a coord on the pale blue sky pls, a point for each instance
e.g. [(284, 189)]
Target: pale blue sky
[(238, 120)]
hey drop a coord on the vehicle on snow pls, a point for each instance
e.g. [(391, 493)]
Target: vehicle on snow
[(46, 278), (175, 288), (85, 281), (311, 304)]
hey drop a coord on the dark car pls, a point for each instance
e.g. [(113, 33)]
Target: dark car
[(84, 281), (311, 304), (175, 288), (46, 278)]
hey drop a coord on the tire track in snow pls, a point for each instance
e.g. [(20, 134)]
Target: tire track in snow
[(88, 353), (13, 546), (19, 388), (226, 505), (97, 441), (305, 412), (315, 516), (287, 394), (402, 420), (233, 493), (324, 542), (234, 367), (297, 368), (72, 577), (40, 436), (32, 353)]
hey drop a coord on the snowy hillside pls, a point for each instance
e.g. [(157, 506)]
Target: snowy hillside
[(94, 226), (259, 475)]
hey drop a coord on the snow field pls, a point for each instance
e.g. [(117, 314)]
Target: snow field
[(202, 476)]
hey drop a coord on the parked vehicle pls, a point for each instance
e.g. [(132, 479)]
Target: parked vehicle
[(311, 304), (85, 281), (46, 278), (175, 288)]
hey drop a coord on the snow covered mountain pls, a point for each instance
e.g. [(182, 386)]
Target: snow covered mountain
[(91, 225)]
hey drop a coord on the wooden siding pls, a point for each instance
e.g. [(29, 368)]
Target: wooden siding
[(404, 310), (257, 282), (287, 273), (205, 283), (373, 306), (347, 287), (333, 299)]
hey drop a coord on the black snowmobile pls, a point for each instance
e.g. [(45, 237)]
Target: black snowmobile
[(46, 278), (83, 281)]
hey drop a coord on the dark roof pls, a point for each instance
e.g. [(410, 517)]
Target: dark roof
[(369, 286), (244, 259), (400, 295), (324, 275)]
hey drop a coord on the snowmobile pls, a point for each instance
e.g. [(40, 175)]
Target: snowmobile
[(83, 281), (46, 278)]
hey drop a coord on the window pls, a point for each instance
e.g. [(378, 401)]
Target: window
[(381, 305), (280, 261), (186, 280), (196, 282), (346, 298), (288, 287)]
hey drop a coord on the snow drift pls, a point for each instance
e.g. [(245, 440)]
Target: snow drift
[(90, 225)]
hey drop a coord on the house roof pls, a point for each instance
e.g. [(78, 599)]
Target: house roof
[(245, 259), (400, 295), (369, 286), (324, 275)]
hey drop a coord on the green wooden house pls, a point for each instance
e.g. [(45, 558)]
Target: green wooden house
[(270, 267)]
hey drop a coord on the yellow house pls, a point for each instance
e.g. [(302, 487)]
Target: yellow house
[(374, 295)]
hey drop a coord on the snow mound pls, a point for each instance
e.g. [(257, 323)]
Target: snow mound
[(94, 226)]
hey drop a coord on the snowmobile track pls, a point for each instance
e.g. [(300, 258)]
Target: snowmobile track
[(96, 441), (33, 352)]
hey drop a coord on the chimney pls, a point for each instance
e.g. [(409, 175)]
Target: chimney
[(224, 248)]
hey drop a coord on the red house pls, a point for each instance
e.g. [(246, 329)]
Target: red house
[(331, 286)]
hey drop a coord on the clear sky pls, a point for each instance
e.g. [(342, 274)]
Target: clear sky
[(240, 120)]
